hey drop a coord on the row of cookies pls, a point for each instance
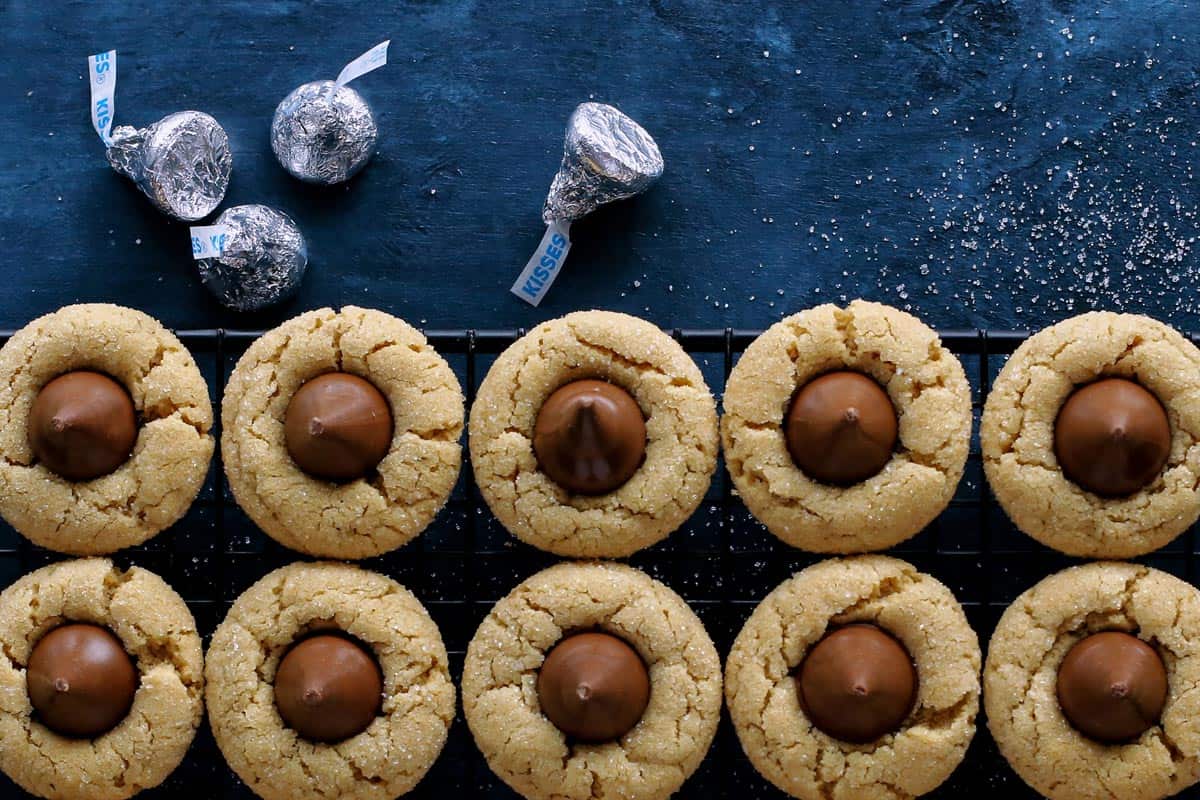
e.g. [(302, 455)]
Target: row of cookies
[(595, 435), (857, 677)]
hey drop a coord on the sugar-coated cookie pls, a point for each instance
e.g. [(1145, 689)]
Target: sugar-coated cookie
[(781, 737), (142, 493), (1021, 683), (1019, 442), (502, 700), (931, 399), (400, 495), (156, 630), (680, 447)]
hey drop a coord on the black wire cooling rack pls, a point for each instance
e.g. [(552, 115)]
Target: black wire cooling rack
[(722, 562)]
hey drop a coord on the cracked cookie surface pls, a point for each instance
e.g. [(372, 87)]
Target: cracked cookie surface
[(156, 629), (170, 459), (681, 435), (364, 517), (384, 761), (1020, 683), (1017, 435), (760, 685), (523, 747), (927, 387)]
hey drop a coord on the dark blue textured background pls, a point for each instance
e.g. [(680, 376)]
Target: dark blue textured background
[(984, 163)]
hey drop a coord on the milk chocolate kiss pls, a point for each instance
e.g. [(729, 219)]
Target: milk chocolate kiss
[(1112, 437), (82, 425), (80, 680), (841, 428), (593, 687), (338, 427), (328, 688), (857, 684), (590, 437), (1112, 686)]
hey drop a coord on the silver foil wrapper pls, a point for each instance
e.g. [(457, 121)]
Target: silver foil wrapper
[(321, 135), (263, 260), (606, 157), (182, 162)]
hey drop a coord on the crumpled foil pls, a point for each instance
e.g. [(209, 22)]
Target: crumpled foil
[(323, 136), (262, 262), (606, 157), (182, 162)]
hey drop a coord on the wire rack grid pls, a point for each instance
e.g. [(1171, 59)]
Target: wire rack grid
[(721, 561)]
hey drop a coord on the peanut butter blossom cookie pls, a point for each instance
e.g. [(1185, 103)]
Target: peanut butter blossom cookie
[(846, 429), (593, 436), (341, 432), (1091, 435), (1090, 684), (592, 680), (104, 429), (858, 677), (326, 680), (101, 681)]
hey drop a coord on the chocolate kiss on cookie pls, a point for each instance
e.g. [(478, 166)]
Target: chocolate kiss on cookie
[(82, 425), (1112, 437), (338, 427), (328, 688), (593, 687), (857, 684), (841, 428), (590, 437), (1112, 686), (80, 680)]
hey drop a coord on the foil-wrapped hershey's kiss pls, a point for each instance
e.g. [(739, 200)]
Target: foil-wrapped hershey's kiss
[(323, 133), (262, 261), (606, 157), (182, 162)]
